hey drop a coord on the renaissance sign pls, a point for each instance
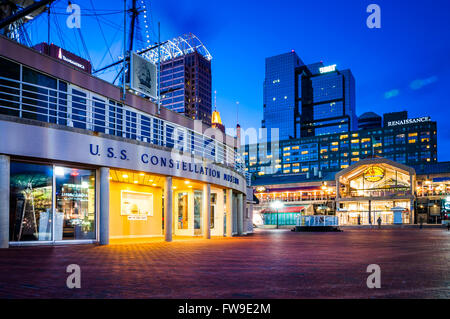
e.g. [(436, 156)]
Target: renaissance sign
[(410, 121)]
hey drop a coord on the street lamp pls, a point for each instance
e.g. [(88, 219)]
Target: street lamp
[(277, 205)]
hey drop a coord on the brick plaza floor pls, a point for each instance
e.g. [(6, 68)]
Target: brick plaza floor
[(269, 264)]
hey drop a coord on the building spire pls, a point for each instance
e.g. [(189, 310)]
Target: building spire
[(215, 100), (237, 112)]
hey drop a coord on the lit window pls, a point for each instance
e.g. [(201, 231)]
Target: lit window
[(274, 98), (261, 173), (296, 170), (287, 154), (355, 153), (286, 149), (305, 152), (412, 141), (355, 159), (296, 148), (355, 141), (344, 137), (287, 171), (378, 145), (335, 143), (412, 134), (305, 169), (335, 149), (344, 166), (365, 140), (269, 156)]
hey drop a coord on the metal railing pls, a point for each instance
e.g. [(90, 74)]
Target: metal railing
[(304, 198), (317, 221), (376, 193), (79, 108)]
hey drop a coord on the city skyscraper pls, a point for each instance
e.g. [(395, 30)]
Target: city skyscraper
[(280, 102), (307, 100), (185, 77), (328, 103)]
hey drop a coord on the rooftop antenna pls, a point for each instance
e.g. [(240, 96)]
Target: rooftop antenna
[(237, 112)]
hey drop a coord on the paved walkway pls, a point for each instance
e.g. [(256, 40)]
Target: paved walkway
[(270, 264)]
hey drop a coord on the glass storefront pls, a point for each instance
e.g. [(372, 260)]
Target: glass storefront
[(51, 203), (75, 204), (357, 213), (376, 191), (31, 202)]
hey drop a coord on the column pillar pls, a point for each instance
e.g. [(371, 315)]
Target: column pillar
[(240, 215), (229, 209), (168, 209), (206, 211), (4, 200), (104, 206)]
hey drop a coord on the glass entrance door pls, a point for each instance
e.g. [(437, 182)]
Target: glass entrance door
[(75, 204)]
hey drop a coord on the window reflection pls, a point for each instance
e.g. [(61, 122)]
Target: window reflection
[(75, 204), (197, 209), (182, 211), (30, 202)]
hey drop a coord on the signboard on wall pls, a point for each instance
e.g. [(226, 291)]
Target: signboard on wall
[(68, 146), (374, 174), (410, 121), (143, 77), (137, 206)]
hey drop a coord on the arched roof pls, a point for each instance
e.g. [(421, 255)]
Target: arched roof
[(375, 161), (177, 47)]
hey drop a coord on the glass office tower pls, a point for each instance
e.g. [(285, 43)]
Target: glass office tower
[(307, 100), (327, 100), (280, 100)]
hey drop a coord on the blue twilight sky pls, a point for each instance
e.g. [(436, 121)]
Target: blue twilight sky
[(403, 65)]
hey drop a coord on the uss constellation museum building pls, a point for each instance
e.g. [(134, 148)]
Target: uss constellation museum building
[(80, 165)]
